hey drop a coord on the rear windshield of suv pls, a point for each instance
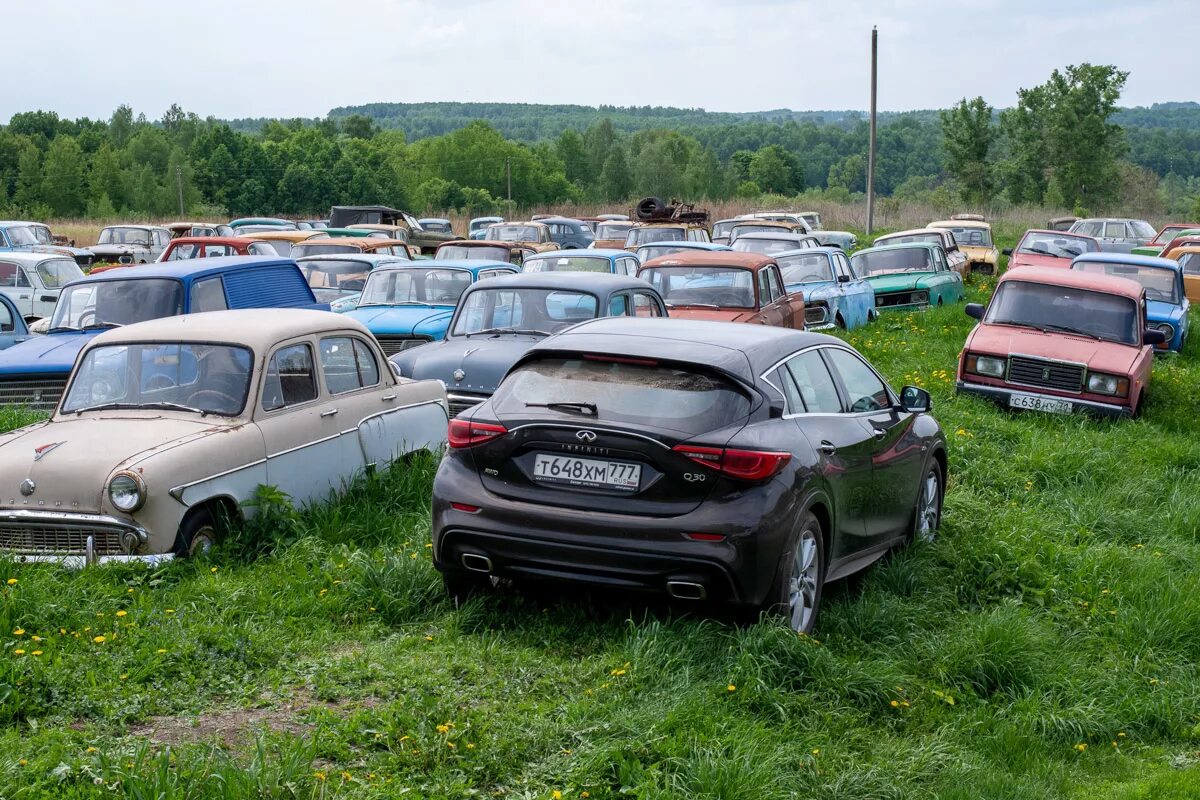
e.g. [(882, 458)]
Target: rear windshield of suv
[(659, 395)]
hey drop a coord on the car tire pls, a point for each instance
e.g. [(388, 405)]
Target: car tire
[(927, 514), (462, 586), (795, 593), (198, 534)]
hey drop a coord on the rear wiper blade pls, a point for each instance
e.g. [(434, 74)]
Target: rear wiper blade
[(588, 409)]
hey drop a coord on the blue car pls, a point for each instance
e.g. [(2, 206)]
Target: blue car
[(36, 237), (477, 228), (659, 249), (1166, 303), (616, 262), (13, 329), (569, 234), (407, 305), (498, 320), (833, 293), (34, 373)]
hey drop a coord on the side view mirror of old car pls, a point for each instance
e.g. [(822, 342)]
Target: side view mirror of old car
[(1153, 336), (974, 310), (843, 278), (1007, 251), (915, 400)]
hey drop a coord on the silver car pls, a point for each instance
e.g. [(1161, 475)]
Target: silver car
[(1116, 234)]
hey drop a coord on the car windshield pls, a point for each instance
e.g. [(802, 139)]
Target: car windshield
[(334, 277), (1160, 283), (766, 247), (911, 238), (568, 264), (22, 237), (514, 233), (41, 234), (742, 228), (140, 236), (246, 230), (640, 236), (458, 252), (722, 228), (58, 272), (523, 310), (198, 378), (1048, 307), (613, 230), (1190, 262), (117, 302), (971, 237), (806, 268), (686, 400), (480, 224), (1057, 245), (649, 251), (717, 286), (883, 262), (1143, 229), (392, 287), (1170, 232), (302, 249), (436, 227)]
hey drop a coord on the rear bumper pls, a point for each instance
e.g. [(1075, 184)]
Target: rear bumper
[(1004, 396)]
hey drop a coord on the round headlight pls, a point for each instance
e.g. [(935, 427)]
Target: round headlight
[(1167, 330), (127, 491)]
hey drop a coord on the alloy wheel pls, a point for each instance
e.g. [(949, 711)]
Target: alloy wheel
[(928, 509), (802, 583)]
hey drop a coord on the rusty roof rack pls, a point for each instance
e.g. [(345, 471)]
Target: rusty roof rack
[(653, 209)]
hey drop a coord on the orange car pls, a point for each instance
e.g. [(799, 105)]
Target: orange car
[(1189, 258)]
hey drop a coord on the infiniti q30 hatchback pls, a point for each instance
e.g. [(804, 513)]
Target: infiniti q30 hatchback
[(706, 460)]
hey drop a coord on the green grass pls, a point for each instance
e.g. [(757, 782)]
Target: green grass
[(1060, 608)]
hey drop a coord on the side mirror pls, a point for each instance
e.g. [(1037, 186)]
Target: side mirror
[(974, 310), (1007, 251), (915, 400), (843, 278), (1153, 336)]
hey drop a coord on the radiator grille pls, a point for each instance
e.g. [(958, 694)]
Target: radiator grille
[(459, 402), (893, 299), (1048, 374), (58, 539), (37, 393), (398, 344)]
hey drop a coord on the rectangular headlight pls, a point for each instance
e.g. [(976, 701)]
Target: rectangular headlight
[(991, 366), (1099, 383)]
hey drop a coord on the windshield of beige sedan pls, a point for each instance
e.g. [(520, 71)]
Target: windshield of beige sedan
[(1065, 309), (138, 236), (117, 302), (202, 378), (398, 287), (883, 262)]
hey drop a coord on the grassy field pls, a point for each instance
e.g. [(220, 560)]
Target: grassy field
[(1046, 646)]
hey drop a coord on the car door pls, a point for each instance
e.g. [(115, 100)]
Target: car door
[(771, 311), (300, 426), (859, 293), (791, 306), (844, 446), (646, 304), (12, 327), (43, 298), (15, 284), (898, 455)]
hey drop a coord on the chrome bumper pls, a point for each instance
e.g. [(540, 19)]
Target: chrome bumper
[(1002, 396), (59, 537)]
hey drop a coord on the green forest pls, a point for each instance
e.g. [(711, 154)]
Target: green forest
[(1065, 143)]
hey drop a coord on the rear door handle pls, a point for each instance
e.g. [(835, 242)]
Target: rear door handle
[(826, 448), (387, 398), (331, 412)]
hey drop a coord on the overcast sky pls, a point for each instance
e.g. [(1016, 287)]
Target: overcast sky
[(285, 58)]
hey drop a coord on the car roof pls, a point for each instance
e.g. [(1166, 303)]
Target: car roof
[(472, 265), (595, 282), (561, 219), (958, 223), (231, 240), (1109, 219), (712, 258), (733, 347), (366, 258), (146, 226), (914, 231), (595, 252), (260, 221), (828, 250), (536, 222), (777, 236), (1128, 258), (432, 219), (479, 243), (259, 328), (285, 236), (898, 246), (31, 257), (190, 268), (1187, 248), (711, 247), (1056, 276)]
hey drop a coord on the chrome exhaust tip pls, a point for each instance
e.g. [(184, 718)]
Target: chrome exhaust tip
[(686, 590), (477, 563)]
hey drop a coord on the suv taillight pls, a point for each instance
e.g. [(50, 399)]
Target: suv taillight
[(746, 465), (465, 433)]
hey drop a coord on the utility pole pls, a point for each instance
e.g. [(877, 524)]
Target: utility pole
[(179, 186), (508, 179), (871, 146)]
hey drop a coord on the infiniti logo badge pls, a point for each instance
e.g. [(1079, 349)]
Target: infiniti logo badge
[(28, 487), (585, 436)]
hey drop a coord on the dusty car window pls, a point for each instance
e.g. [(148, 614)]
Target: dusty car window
[(1160, 283), (568, 264), (1142, 228), (766, 247), (537, 310), (917, 238), (641, 236), (1190, 263), (22, 237), (729, 287), (613, 230), (866, 392), (6, 320), (117, 302), (649, 251), (415, 286), (462, 252), (59, 272), (208, 295), (1063, 308), (138, 236), (290, 378), (206, 378), (260, 249), (974, 237), (320, 249), (331, 279), (514, 233), (1057, 245), (347, 365), (42, 234), (882, 262)]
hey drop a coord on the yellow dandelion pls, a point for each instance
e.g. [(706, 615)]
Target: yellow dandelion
[(816, 751), (122, 613), (36, 653), (170, 610), (617, 672), (556, 794), (212, 569), (36, 638), (90, 750), (429, 638), (894, 704), (18, 632), (124, 677), (443, 728), (19, 652), (12, 581), (1028, 486), (1154, 681), (62, 631), (731, 688), (319, 776), (22, 762), (346, 775), (1121, 735), (129, 591), (1081, 747), (161, 650), (99, 639), (452, 745), (470, 745)]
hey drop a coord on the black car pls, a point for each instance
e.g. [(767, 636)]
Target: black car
[(497, 320), (747, 464)]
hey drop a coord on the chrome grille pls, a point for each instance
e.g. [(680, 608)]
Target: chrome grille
[(58, 539), (398, 344), (1048, 374), (41, 394), (461, 402)]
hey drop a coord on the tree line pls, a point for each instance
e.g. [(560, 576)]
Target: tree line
[(1059, 145)]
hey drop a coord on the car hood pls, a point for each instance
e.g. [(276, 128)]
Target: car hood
[(62, 250), (899, 282), (1002, 340), (980, 253), (52, 353), (70, 460), (482, 362), (1035, 260), (118, 249), (711, 314), (401, 320), (813, 290)]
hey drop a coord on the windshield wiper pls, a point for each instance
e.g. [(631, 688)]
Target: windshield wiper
[(532, 332), (63, 328), (100, 326), (694, 305), (126, 406), (1050, 326), (587, 409)]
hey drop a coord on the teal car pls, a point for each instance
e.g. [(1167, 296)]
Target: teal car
[(909, 276)]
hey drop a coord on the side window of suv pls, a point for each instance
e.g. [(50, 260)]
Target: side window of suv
[(866, 392), (814, 383)]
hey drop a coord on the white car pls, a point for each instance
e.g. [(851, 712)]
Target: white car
[(33, 281), (168, 427)]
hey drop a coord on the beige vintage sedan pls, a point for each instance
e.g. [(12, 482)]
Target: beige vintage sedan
[(167, 425)]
